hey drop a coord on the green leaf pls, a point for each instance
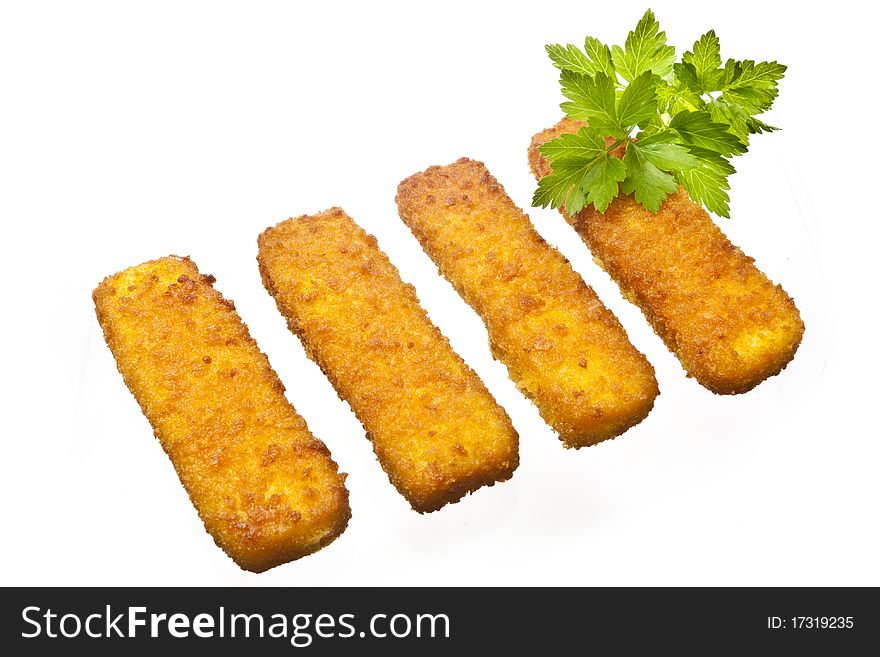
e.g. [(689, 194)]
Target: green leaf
[(687, 101), (747, 88), (705, 58), (575, 183), (667, 156), (645, 50), (752, 86), (686, 74), (600, 55), (707, 184), (657, 135), (692, 116), (592, 99), (757, 126), (638, 103), (751, 101), (739, 121), (676, 97), (554, 189), (600, 183), (734, 116), (594, 58), (570, 58), (571, 155), (649, 184), (583, 172), (698, 129), (581, 145), (765, 75)]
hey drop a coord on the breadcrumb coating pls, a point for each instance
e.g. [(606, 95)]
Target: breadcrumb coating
[(562, 347), (265, 487), (727, 323), (436, 430)]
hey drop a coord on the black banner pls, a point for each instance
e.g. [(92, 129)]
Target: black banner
[(435, 621)]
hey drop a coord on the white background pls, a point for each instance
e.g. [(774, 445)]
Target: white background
[(129, 131)]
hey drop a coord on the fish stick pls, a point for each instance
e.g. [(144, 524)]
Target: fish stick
[(265, 487), (562, 347), (437, 431), (727, 323)]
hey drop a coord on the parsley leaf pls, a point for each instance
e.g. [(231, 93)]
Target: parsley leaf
[(594, 58), (669, 157), (644, 179), (587, 172), (600, 55), (707, 184), (592, 99), (705, 58), (638, 102), (676, 97), (585, 143), (570, 58), (564, 183), (698, 129), (645, 50), (733, 94), (680, 121), (751, 86), (601, 182)]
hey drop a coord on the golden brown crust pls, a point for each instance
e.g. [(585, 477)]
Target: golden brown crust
[(265, 487), (727, 323), (435, 428), (562, 347)]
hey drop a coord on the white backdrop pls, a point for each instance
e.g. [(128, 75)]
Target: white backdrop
[(129, 131)]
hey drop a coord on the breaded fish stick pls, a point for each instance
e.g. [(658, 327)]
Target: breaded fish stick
[(727, 323), (266, 489), (562, 347), (436, 430)]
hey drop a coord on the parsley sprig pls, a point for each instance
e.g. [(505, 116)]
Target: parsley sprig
[(680, 122)]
